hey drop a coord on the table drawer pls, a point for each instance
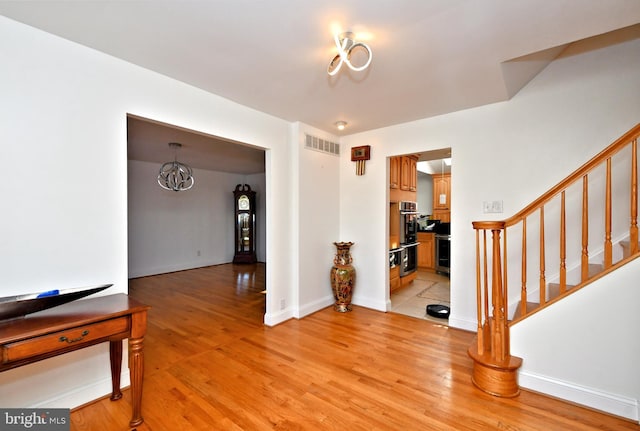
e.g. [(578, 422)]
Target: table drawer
[(63, 339)]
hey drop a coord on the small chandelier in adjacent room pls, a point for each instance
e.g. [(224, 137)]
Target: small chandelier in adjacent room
[(174, 175), (346, 47)]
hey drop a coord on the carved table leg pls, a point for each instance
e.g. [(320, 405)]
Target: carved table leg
[(115, 353), (136, 369)]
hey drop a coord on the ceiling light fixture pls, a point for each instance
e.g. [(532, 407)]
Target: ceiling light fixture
[(346, 45), (174, 175), (341, 125)]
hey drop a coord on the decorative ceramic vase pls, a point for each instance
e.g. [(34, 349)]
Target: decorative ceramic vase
[(343, 277)]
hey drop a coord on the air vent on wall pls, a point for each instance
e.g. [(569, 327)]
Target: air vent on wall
[(314, 143)]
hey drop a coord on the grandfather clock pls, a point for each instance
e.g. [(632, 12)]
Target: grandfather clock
[(245, 220)]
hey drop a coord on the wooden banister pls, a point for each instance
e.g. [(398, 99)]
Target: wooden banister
[(633, 230), (494, 367), (543, 282), (563, 243), (608, 250), (584, 263), (612, 149)]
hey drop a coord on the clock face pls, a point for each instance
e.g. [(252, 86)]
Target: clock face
[(243, 202)]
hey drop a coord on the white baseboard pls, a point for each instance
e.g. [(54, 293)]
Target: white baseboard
[(165, 269), (272, 319), (84, 394), (463, 323), (314, 306), (610, 403), (310, 308), (367, 302), (388, 305)]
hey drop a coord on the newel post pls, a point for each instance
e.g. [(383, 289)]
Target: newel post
[(494, 369), (499, 327)]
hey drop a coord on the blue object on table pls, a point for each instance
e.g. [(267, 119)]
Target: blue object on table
[(12, 307), (49, 293)]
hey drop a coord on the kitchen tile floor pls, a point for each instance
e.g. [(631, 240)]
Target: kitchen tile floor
[(427, 288)]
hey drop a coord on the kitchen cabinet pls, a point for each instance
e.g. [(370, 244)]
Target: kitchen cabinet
[(408, 279), (443, 215), (413, 176), (394, 278), (442, 197), (394, 225), (408, 173), (403, 181), (403, 178), (394, 172), (442, 191), (426, 251)]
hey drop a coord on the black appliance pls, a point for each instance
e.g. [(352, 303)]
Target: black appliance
[(443, 241), (394, 257), (408, 258), (408, 237), (408, 222)]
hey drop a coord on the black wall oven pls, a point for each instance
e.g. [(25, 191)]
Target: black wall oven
[(408, 258), (408, 237), (408, 222)]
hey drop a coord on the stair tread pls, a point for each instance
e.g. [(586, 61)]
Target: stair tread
[(626, 248), (553, 289), (530, 307)]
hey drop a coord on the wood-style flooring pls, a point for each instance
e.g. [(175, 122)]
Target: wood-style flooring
[(212, 365)]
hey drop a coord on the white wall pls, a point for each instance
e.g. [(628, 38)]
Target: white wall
[(578, 105), (171, 231), (318, 189), (591, 349), (64, 218), (424, 193)]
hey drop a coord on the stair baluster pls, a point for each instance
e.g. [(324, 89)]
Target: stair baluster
[(495, 369)]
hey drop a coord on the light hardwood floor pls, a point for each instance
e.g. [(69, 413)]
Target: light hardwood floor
[(212, 365)]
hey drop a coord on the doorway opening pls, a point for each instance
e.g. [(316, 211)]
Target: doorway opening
[(170, 231), (430, 283)]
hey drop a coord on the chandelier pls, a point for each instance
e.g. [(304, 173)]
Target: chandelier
[(174, 175), (346, 45)]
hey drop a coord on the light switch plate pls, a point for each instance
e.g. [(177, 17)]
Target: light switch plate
[(491, 207)]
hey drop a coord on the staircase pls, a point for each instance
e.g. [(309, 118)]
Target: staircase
[(599, 203)]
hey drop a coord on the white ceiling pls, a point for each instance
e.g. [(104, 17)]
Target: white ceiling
[(430, 57), (149, 142)]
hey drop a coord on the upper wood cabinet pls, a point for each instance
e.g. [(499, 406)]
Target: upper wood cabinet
[(408, 173), (403, 178), (443, 215), (442, 197), (442, 191), (394, 172), (413, 178)]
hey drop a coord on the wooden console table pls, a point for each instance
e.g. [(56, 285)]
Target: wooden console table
[(77, 325)]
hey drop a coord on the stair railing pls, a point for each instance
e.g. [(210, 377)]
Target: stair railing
[(493, 363)]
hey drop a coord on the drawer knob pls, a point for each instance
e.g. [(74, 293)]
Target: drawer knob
[(73, 340)]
